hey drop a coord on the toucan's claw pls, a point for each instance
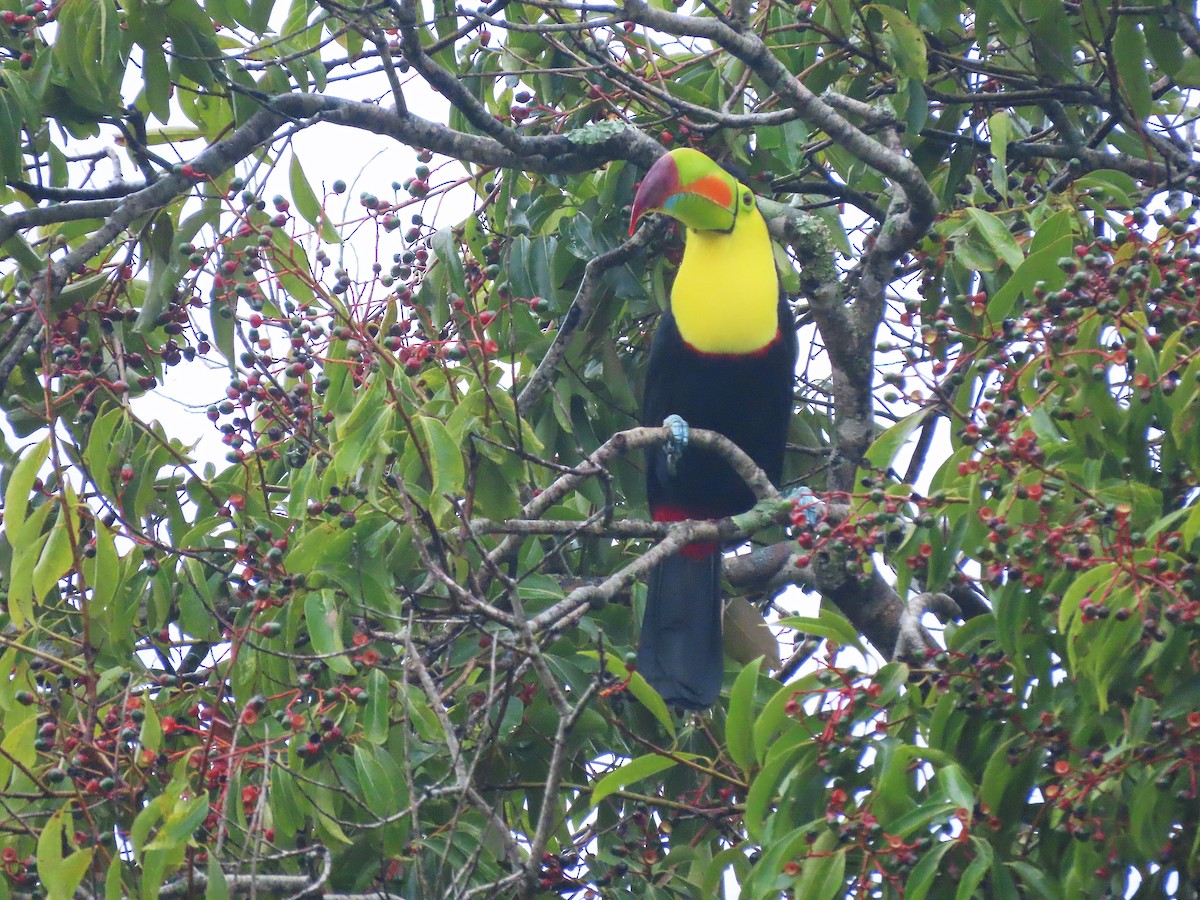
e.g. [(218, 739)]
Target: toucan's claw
[(677, 440), (808, 503)]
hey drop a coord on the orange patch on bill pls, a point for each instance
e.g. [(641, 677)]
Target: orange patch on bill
[(714, 187)]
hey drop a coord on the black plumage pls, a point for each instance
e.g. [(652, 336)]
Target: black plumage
[(747, 398)]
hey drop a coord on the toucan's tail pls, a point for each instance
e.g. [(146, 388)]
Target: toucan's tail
[(680, 650)]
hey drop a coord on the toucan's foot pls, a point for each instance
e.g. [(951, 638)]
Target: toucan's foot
[(677, 440), (807, 502)]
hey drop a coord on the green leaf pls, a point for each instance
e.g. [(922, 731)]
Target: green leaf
[(911, 47), (922, 816), (1036, 880), (1163, 45), (18, 746), (293, 273), (996, 775), (1041, 266), (10, 162), (259, 15), (375, 714), (1129, 56), (1120, 187), (765, 878), (220, 317), (114, 888), (217, 888), (1080, 587), (307, 203), (993, 230), (150, 815), (821, 876), (780, 770), (921, 878), (633, 771), (55, 559), (183, 819), (286, 802), (739, 724), (378, 790), (154, 871), (151, 733), (445, 461), (952, 780), (731, 859), (323, 618), (975, 872), (773, 718), (60, 877), (884, 448), (89, 53), (828, 624), (17, 494), (20, 574), (1000, 129), (16, 247), (157, 82)]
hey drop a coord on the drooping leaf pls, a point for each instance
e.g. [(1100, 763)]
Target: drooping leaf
[(632, 772)]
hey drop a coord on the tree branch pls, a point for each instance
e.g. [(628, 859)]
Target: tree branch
[(545, 154), (581, 308), (753, 52), (868, 601)]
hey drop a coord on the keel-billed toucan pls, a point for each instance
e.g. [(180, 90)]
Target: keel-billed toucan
[(723, 358)]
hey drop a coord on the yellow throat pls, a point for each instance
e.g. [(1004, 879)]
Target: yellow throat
[(726, 295)]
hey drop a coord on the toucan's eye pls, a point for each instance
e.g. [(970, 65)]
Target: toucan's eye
[(746, 199)]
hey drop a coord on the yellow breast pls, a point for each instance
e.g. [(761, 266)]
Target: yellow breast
[(725, 297)]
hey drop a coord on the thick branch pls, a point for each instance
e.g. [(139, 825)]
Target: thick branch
[(868, 601), (53, 215)]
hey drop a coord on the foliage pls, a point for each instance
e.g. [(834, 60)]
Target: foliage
[(382, 645)]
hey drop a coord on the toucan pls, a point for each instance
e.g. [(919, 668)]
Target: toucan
[(723, 357)]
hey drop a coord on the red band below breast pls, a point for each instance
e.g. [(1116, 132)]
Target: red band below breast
[(700, 549), (750, 354)]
